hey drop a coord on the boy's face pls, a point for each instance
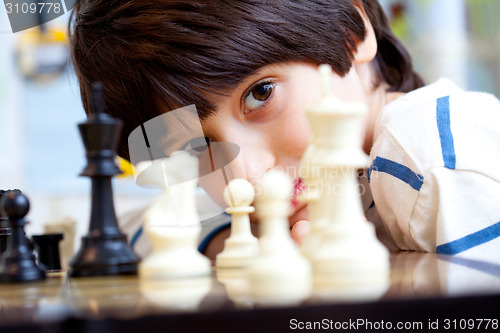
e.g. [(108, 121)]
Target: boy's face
[(265, 117)]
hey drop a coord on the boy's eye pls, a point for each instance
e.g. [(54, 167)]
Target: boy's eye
[(197, 145), (258, 95)]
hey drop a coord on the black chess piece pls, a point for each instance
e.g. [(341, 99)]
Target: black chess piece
[(17, 263), (5, 230), (47, 247), (104, 250), (4, 226), (4, 233)]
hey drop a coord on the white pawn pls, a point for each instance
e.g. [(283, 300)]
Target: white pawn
[(241, 246), (280, 275)]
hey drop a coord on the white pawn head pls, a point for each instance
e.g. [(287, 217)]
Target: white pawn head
[(239, 193), (273, 195), (275, 184)]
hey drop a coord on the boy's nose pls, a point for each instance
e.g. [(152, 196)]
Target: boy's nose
[(258, 158), (256, 153)]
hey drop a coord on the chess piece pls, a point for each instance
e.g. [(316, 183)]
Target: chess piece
[(237, 286), (67, 227), (349, 261), (17, 263), (173, 295), (47, 247), (241, 246), (279, 275), (4, 233), (104, 250), (4, 227), (171, 222), (317, 208)]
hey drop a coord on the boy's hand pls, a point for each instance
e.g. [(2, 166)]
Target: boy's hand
[(300, 230)]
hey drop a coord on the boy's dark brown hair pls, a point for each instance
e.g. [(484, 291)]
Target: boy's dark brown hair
[(155, 56)]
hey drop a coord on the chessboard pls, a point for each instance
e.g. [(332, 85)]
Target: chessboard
[(426, 291)]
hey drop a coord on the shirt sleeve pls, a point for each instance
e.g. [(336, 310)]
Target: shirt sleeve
[(457, 212), (435, 178)]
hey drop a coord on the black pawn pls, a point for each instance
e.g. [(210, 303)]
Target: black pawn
[(104, 250), (47, 247), (4, 233), (17, 263), (4, 226)]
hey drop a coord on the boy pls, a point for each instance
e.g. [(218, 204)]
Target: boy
[(249, 67)]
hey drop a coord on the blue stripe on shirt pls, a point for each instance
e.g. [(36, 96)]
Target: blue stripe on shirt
[(477, 238), (397, 170), (204, 243), (445, 135), (136, 236), (201, 247)]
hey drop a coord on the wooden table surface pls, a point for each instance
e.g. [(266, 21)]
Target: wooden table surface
[(423, 287)]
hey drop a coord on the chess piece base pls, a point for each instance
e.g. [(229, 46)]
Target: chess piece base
[(280, 280), (238, 253), (181, 264), (101, 256), (21, 270)]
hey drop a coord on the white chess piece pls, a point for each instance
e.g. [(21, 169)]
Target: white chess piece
[(171, 222), (280, 275), (241, 246), (237, 287), (176, 294), (349, 262), (317, 208)]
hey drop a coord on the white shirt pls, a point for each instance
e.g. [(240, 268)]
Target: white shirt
[(435, 172)]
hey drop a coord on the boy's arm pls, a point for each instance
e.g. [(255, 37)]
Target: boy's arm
[(215, 244), (439, 192), (457, 212)]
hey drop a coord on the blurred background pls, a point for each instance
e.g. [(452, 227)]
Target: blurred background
[(458, 39), (40, 149)]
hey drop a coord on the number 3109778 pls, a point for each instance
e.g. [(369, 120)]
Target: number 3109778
[(32, 7)]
